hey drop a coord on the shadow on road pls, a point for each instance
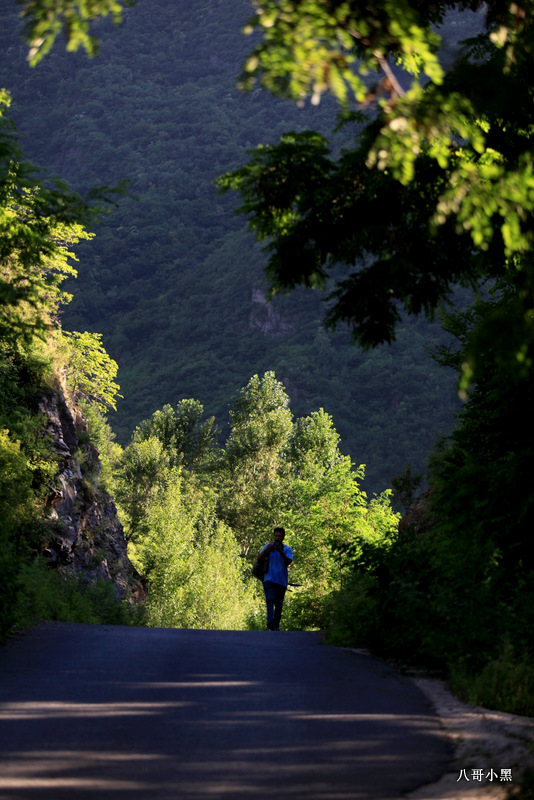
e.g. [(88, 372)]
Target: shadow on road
[(120, 713)]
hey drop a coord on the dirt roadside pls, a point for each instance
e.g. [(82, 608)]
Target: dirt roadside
[(489, 742)]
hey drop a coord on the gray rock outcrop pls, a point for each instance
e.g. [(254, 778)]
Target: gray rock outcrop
[(86, 537)]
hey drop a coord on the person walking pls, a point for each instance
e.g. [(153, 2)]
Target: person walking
[(280, 556)]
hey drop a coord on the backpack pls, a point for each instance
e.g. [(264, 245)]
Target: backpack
[(261, 566)]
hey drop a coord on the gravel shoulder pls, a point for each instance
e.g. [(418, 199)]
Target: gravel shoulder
[(483, 740)]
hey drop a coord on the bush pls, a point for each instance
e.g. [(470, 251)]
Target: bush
[(505, 683), (45, 594), (15, 505), (352, 613)]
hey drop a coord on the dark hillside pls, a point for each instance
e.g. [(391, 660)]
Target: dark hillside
[(172, 280)]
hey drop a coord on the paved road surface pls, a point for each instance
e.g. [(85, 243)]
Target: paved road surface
[(121, 713)]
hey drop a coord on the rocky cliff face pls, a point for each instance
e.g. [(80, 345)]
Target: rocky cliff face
[(86, 536), (418, 517), (264, 317)]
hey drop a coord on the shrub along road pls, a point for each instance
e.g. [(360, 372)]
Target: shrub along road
[(117, 712)]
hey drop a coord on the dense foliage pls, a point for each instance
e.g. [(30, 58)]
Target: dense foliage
[(172, 281), (455, 592), (45, 21), (434, 189), (38, 227), (427, 185), (197, 515)]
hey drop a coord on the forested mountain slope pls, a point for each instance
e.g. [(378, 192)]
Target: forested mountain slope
[(172, 280)]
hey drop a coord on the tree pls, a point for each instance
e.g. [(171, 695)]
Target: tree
[(40, 217), (405, 487), (45, 21), (314, 448), (172, 439), (37, 226), (453, 589), (437, 188), (16, 508), (141, 473), (480, 477), (193, 531), (253, 464), (187, 440), (192, 562), (329, 516), (90, 370)]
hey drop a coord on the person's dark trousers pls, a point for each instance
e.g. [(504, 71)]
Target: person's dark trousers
[(274, 597)]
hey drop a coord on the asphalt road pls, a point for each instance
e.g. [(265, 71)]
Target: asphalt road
[(142, 714)]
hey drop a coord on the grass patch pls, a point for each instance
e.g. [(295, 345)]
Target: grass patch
[(506, 683)]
